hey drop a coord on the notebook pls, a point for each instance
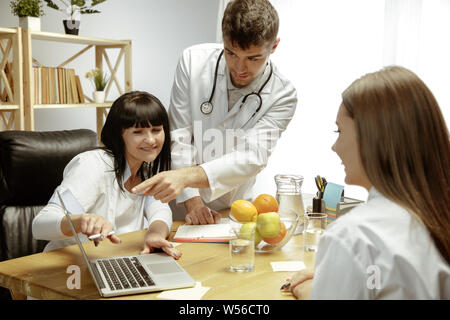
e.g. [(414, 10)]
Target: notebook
[(132, 274), (220, 232)]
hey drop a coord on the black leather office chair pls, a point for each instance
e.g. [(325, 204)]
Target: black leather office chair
[(31, 167)]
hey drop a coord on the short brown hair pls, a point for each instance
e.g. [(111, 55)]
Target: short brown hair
[(404, 145), (250, 22)]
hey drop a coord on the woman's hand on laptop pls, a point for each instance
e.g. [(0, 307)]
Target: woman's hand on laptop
[(155, 241)]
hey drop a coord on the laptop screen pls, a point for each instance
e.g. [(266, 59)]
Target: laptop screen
[(69, 220)]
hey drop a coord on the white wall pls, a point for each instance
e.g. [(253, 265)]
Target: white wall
[(159, 31), (321, 52), (325, 46)]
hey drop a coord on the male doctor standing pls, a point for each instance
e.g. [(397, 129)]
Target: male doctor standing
[(229, 105)]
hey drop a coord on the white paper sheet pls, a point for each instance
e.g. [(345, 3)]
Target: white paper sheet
[(220, 230), (195, 293), (287, 266)]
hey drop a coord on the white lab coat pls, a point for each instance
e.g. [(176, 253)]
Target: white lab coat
[(379, 251), (231, 163)]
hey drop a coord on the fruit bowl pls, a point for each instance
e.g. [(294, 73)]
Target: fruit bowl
[(287, 223)]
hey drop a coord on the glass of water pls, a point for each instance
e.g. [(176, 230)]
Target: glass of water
[(315, 226), (242, 250)]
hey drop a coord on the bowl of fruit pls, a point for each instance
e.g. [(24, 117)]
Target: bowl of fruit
[(273, 228)]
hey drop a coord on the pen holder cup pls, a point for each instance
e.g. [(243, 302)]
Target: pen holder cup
[(272, 232)]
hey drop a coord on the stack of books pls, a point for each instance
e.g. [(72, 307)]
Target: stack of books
[(57, 86)]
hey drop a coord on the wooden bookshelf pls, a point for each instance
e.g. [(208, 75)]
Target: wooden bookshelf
[(73, 105), (100, 46), (11, 80)]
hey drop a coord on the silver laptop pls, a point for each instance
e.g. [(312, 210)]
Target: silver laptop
[(133, 274)]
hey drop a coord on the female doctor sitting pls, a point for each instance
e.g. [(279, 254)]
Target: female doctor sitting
[(96, 184), (394, 142)]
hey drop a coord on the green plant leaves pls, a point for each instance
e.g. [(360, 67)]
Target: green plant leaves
[(88, 11), (27, 8), (100, 80), (51, 4), (96, 2), (78, 4)]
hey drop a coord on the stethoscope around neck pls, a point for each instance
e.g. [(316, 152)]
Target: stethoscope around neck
[(207, 106)]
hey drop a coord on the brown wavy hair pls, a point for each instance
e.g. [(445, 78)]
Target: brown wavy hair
[(404, 145), (250, 22)]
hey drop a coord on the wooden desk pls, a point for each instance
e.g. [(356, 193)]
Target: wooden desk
[(44, 276)]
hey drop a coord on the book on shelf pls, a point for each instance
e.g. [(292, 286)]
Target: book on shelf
[(79, 89), (56, 86)]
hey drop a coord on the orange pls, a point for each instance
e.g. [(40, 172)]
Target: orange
[(279, 237), (265, 203), (244, 211)]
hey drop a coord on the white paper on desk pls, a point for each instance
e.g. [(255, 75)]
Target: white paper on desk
[(195, 293), (220, 230), (287, 266)]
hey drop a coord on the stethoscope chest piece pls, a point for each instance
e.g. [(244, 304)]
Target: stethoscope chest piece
[(206, 107)]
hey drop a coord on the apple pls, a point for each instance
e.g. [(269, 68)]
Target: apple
[(246, 230), (268, 224), (279, 237)]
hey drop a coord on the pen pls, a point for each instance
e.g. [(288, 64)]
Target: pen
[(98, 235), (318, 183), (285, 286)]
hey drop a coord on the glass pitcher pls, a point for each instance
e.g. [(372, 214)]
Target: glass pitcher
[(289, 197)]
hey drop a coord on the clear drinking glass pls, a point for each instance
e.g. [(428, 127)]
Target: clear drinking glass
[(315, 226), (289, 196), (242, 250)]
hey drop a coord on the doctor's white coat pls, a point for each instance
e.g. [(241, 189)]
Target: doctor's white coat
[(379, 251), (231, 146)]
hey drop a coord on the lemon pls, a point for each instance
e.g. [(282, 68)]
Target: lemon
[(244, 211)]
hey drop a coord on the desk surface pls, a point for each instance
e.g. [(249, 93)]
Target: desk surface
[(44, 276)]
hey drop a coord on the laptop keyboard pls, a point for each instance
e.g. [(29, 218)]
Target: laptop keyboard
[(125, 273)]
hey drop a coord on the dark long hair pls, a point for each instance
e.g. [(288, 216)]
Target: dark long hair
[(135, 109), (404, 146)]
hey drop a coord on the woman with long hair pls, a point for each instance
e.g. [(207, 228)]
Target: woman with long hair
[(97, 184), (394, 142)]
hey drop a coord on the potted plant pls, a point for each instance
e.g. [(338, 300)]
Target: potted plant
[(29, 13), (100, 81), (74, 9)]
